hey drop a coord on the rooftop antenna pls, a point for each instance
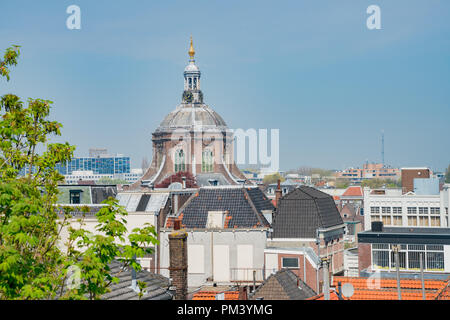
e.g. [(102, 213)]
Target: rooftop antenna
[(382, 147)]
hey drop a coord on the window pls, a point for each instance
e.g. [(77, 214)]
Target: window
[(412, 217), (423, 221), (414, 259), (375, 218), (179, 161), (397, 220), (75, 196), (207, 161), (383, 257), (435, 221), (397, 210), (435, 261), (386, 220), (289, 262), (386, 210), (435, 210), (412, 221), (374, 210), (423, 210)]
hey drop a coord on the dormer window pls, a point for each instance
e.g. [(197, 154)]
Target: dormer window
[(75, 196), (216, 219)]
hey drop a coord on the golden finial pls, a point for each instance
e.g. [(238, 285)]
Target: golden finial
[(191, 50)]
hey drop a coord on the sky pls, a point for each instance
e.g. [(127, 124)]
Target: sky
[(311, 69)]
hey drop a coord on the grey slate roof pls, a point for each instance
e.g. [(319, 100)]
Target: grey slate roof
[(157, 285), (244, 206), (204, 179), (283, 285), (301, 212), (187, 117)]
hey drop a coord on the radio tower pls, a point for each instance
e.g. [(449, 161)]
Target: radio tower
[(382, 146)]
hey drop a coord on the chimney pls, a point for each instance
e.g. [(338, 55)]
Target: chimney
[(243, 293), (178, 262), (278, 193)]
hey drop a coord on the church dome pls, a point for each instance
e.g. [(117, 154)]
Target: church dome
[(191, 68), (186, 117)]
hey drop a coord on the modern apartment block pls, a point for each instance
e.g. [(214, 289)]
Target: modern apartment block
[(370, 171)]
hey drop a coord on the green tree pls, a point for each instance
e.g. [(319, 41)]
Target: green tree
[(379, 183), (273, 178), (342, 183), (33, 263), (447, 175)]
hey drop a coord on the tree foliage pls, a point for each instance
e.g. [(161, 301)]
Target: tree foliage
[(447, 175), (273, 178), (34, 264), (379, 183)]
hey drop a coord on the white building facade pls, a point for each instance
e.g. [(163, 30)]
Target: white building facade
[(395, 209)]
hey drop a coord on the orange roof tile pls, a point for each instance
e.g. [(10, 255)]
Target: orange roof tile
[(353, 191), (385, 289), (368, 283), (333, 296), (211, 295)]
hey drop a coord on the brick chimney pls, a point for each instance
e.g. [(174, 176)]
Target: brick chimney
[(278, 193), (178, 262), (243, 293)]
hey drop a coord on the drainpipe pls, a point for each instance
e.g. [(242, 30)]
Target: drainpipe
[(212, 255), (397, 267), (326, 278), (421, 277), (304, 262)]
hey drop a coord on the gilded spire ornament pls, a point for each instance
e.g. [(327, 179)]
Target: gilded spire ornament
[(191, 50)]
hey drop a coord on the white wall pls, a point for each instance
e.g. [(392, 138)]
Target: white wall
[(245, 250), (393, 199), (134, 220), (447, 258)]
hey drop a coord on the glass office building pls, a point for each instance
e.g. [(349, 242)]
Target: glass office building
[(99, 165)]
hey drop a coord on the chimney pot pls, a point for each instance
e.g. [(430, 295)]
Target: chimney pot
[(177, 224)]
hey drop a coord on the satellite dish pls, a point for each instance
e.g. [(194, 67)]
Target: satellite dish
[(347, 290)]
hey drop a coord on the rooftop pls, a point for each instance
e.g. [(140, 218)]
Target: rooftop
[(386, 289), (301, 212)]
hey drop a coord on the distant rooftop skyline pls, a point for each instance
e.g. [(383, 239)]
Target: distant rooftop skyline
[(312, 70)]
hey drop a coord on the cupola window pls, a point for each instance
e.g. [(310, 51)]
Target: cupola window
[(180, 164)]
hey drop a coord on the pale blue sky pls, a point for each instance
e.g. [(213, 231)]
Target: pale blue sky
[(309, 68)]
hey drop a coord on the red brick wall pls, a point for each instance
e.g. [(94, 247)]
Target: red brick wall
[(364, 256), (408, 176), (311, 279), (178, 263)]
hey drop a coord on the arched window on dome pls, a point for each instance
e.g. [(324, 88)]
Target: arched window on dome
[(207, 161), (180, 164)]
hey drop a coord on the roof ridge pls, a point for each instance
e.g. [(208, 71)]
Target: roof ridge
[(252, 205)]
